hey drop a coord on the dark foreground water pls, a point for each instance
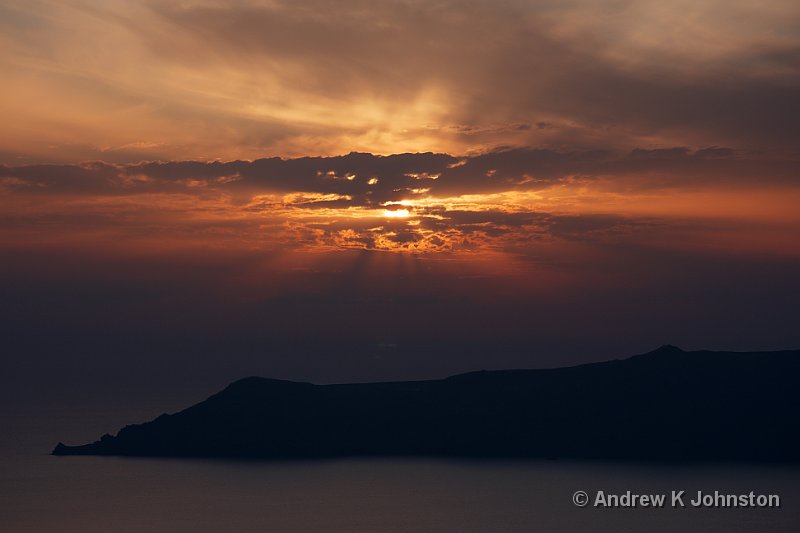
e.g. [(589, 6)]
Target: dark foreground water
[(40, 493)]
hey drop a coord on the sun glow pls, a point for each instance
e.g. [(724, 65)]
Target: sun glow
[(397, 213)]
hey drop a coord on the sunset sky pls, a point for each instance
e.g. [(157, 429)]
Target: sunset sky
[(350, 190)]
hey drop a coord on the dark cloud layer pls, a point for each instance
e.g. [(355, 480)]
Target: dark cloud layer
[(360, 179)]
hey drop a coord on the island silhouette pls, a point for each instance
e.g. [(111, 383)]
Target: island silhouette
[(667, 404)]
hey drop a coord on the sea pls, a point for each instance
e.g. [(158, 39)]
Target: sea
[(40, 493)]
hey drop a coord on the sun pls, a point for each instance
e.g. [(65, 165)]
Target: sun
[(396, 213)]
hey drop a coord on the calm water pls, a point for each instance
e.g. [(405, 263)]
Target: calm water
[(40, 493)]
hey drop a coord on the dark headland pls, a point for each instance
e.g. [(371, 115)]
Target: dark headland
[(664, 405)]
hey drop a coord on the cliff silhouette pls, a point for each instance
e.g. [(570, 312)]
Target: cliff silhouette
[(664, 405)]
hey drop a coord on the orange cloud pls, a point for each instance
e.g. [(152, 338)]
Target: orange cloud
[(127, 81)]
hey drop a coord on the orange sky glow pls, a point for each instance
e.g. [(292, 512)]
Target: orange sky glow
[(530, 158)]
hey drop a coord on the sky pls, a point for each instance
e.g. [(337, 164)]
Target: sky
[(346, 191)]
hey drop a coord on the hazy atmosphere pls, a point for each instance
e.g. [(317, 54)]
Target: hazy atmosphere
[(343, 191), (389, 266)]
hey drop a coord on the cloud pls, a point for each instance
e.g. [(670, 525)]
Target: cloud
[(367, 180), (340, 202), (588, 66), (204, 80)]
